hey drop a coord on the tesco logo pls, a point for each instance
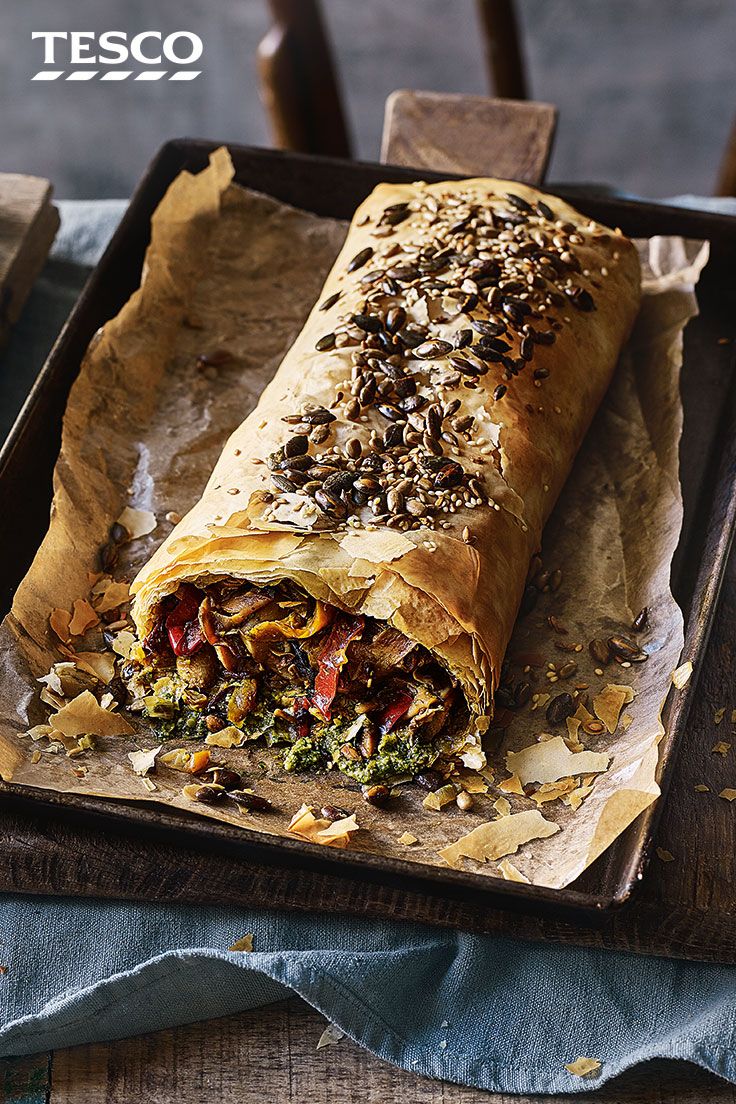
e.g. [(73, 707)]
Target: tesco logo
[(85, 55)]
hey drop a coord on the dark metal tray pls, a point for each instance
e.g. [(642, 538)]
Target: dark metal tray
[(708, 471)]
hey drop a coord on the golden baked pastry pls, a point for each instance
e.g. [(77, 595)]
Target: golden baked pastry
[(349, 580)]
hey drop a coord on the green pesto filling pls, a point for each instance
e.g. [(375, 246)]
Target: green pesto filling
[(184, 725), (398, 754)]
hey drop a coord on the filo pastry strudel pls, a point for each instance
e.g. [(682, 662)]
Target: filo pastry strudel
[(347, 584)]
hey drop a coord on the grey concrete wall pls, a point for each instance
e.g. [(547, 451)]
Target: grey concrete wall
[(646, 88)]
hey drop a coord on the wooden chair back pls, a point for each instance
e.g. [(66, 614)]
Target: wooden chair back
[(299, 81)]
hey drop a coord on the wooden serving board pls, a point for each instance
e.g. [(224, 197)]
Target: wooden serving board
[(28, 225)]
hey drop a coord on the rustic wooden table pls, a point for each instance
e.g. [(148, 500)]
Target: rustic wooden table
[(269, 1057), (270, 1054)]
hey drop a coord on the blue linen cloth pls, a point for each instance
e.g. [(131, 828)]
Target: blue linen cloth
[(484, 1011)]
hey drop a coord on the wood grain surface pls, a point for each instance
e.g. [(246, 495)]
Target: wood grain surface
[(28, 225), (471, 135), (270, 1056)]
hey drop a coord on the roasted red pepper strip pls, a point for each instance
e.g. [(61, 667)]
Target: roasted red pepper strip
[(332, 656), (182, 624), (393, 713), (302, 717)]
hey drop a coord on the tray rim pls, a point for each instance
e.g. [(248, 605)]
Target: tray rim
[(586, 906)]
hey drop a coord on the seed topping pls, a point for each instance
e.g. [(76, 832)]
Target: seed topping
[(453, 311)]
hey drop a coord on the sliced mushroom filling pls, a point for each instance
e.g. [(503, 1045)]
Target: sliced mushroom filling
[(272, 662)]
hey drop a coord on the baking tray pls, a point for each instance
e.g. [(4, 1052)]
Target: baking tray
[(708, 471)]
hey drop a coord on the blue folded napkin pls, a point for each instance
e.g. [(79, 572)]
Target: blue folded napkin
[(485, 1011)]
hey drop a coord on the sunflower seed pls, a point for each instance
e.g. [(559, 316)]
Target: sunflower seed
[(108, 555), (368, 323), (395, 319), (377, 795), (412, 337), (449, 475), (488, 355), (405, 387), (393, 218), (403, 273), (395, 502), (431, 444), (393, 435), (568, 669), (253, 802), (489, 329), (332, 812), (393, 371), (641, 620), (208, 794), (328, 505), (319, 434), (296, 463), (463, 338), (118, 533), (317, 417), (367, 393), (433, 419), (413, 403), (560, 708), (283, 484), (297, 445), (468, 367), (340, 481), (367, 483), (434, 348), (498, 344), (326, 342), (390, 412), (519, 203), (622, 647), (329, 301), (360, 259)]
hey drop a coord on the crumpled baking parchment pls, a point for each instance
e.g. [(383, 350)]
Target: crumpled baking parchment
[(232, 270)]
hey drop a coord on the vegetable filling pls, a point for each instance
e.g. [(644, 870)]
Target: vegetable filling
[(272, 662)]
